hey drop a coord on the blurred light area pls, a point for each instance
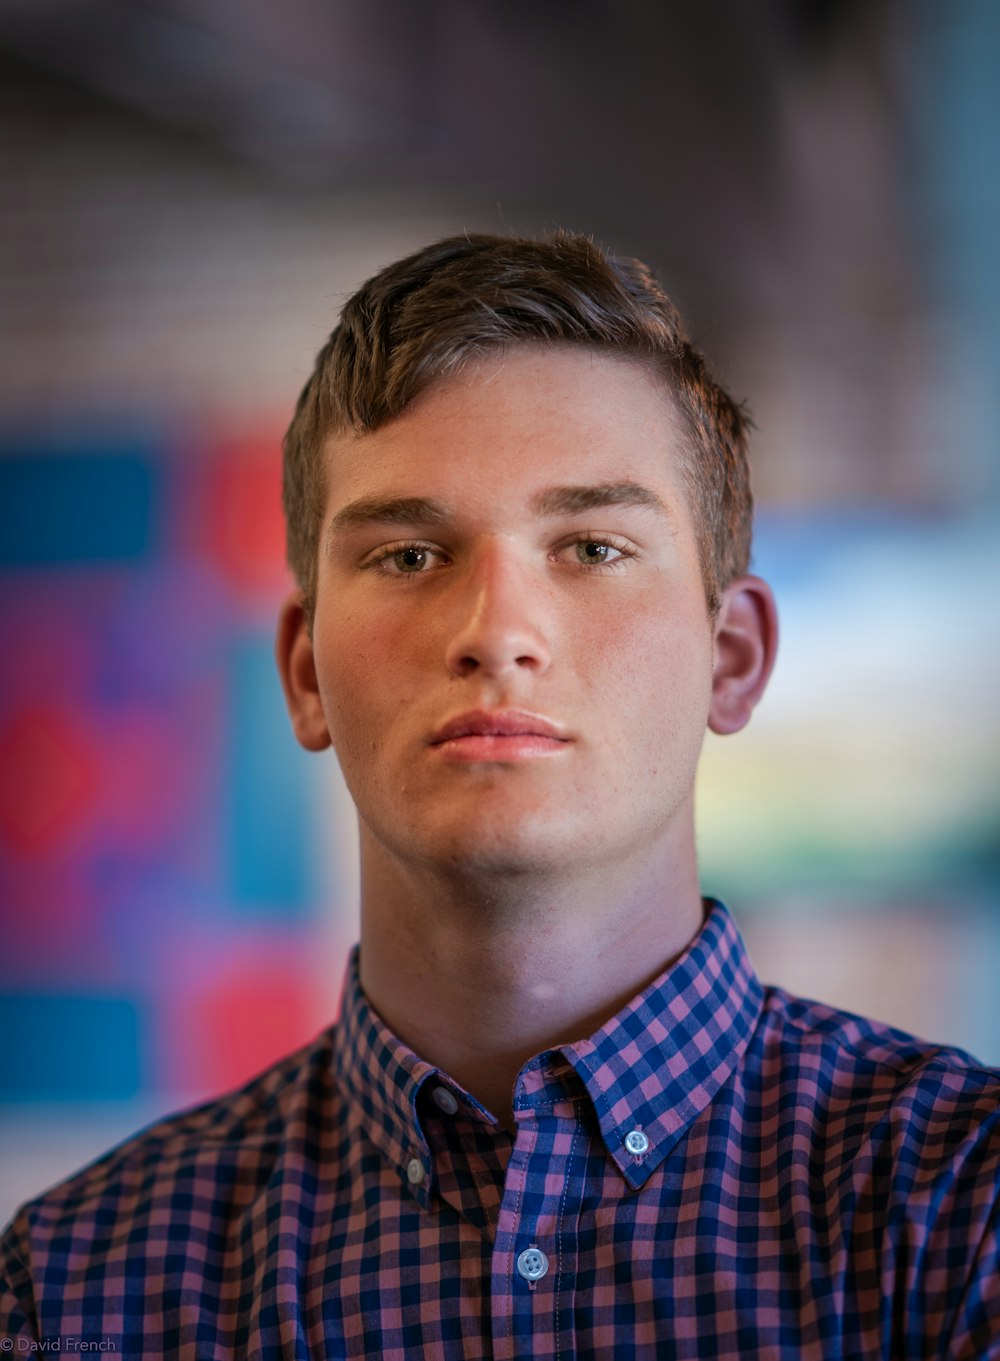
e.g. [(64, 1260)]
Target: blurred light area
[(871, 764), (855, 823), (194, 188)]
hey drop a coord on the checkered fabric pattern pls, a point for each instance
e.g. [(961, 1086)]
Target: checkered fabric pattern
[(721, 1171)]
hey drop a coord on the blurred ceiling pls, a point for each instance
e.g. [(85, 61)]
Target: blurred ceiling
[(667, 124), (246, 161)]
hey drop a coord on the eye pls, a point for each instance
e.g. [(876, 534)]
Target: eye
[(406, 559), (410, 559), (593, 551)]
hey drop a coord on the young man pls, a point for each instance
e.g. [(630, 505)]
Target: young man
[(559, 1115)]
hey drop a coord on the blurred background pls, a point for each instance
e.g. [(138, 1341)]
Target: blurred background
[(190, 190)]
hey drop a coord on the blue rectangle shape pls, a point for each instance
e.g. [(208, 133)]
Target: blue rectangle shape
[(67, 1048), (66, 508), (270, 781)]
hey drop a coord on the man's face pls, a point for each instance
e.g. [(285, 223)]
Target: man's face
[(512, 647)]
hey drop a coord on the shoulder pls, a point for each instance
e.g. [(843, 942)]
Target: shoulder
[(241, 1126), (864, 1086), (196, 1167), (810, 1033)]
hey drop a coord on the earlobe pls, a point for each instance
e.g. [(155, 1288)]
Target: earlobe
[(297, 668), (746, 644)]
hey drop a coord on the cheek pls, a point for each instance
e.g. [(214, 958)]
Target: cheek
[(366, 677), (646, 682), (654, 650), (347, 660)]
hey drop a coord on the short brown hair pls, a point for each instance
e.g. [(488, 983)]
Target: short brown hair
[(421, 319)]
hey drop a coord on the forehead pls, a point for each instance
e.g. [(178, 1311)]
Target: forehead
[(510, 425)]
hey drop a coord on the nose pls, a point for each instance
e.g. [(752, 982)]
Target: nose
[(499, 629)]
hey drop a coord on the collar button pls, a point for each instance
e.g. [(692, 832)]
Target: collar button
[(636, 1142), (444, 1100)]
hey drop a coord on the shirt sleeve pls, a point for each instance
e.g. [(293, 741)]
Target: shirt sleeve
[(17, 1308), (976, 1334)]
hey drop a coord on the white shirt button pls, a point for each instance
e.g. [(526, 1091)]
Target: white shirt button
[(415, 1171), (532, 1264), (444, 1100), (636, 1142)]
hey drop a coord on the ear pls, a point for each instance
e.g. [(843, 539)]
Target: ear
[(297, 668), (746, 643)]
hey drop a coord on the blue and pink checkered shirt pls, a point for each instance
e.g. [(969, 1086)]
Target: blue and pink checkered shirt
[(721, 1171)]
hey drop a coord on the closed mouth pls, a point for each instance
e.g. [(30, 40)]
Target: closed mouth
[(501, 723)]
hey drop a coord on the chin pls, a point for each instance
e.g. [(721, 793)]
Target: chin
[(499, 845)]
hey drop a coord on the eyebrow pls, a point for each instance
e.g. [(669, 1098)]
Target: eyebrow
[(573, 500), (392, 510), (422, 510)]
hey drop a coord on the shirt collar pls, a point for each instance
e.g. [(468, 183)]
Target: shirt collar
[(657, 1064), (650, 1070)]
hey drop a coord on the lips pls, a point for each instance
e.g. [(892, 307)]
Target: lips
[(501, 723)]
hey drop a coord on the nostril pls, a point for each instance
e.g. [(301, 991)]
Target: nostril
[(492, 646)]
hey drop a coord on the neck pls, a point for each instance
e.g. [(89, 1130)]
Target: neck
[(476, 976)]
